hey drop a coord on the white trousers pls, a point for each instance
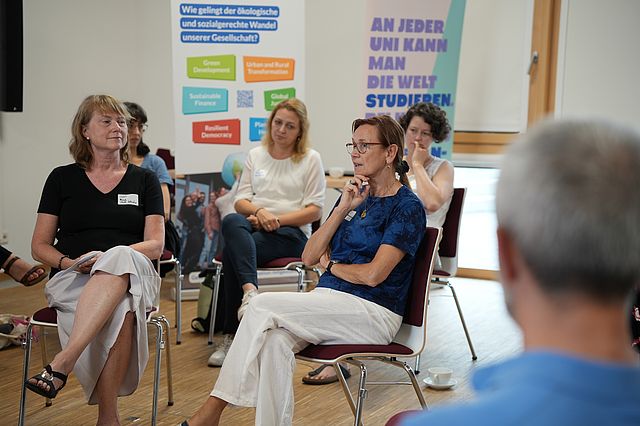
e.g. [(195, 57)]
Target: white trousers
[(258, 369)]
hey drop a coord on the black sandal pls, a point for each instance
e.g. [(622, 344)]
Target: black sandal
[(47, 375), (309, 378)]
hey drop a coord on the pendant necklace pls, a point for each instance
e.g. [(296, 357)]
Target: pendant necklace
[(367, 207)]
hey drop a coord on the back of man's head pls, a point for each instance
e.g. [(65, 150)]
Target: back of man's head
[(569, 197)]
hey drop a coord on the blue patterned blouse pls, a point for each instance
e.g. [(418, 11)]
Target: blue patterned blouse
[(397, 220)]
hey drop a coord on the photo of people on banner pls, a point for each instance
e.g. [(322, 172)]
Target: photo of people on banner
[(202, 201)]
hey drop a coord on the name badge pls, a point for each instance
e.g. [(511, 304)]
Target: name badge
[(260, 173), (350, 215), (127, 199)]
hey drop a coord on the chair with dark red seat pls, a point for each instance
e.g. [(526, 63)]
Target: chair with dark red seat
[(408, 342), (448, 252), (48, 318), (279, 264)]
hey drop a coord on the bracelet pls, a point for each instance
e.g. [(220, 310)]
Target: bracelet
[(257, 210), (60, 261), (330, 265)]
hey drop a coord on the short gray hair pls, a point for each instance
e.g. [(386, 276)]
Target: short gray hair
[(569, 196)]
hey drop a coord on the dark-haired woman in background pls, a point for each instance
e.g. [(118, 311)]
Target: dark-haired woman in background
[(431, 177), (140, 154)]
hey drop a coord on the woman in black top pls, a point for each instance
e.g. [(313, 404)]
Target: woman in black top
[(99, 222)]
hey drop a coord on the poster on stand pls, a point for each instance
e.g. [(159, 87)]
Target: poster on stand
[(412, 49), (233, 61)]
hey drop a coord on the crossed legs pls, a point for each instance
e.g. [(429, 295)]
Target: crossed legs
[(99, 298)]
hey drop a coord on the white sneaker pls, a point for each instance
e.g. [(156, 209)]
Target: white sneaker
[(245, 302), (217, 358)]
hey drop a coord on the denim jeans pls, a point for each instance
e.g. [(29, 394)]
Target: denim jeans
[(245, 249)]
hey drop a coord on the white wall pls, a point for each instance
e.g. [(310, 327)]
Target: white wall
[(73, 49), (600, 60)]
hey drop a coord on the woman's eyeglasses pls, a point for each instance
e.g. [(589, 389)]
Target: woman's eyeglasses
[(140, 126), (361, 147)]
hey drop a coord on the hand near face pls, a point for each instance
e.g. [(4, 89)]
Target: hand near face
[(420, 154), (354, 192)]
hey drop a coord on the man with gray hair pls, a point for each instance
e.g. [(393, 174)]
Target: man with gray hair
[(568, 206)]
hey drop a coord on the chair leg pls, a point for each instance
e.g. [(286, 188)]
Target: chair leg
[(178, 272), (25, 374), (45, 358), (214, 303), (345, 386), (300, 272), (156, 370), (417, 367), (167, 347), (464, 324), (362, 394), (414, 381)]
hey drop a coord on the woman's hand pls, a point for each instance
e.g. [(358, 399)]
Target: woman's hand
[(255, 223), (324, 260), (268, 221), (85, 267), (354, 192), (420, 155)]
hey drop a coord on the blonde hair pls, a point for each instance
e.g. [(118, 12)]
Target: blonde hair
[(79, 146), (302, 141)]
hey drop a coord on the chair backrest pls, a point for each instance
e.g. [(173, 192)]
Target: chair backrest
[(413, 330), (169, 160), (448, 249)]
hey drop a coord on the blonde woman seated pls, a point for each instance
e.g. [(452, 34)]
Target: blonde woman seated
[(99, 222), (367, 245)]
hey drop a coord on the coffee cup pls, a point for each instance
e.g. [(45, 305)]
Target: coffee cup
[(440, 375), (336, 172)]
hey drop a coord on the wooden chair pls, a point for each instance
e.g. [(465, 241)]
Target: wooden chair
[(409, 341), (47, 318), (448, 252)]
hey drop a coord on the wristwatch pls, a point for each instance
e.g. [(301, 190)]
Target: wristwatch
[(330, 265)]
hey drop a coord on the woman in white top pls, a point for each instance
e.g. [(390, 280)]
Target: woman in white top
[(281, 192), (431, 177)]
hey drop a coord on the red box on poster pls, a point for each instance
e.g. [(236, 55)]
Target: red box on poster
[(219, 132)]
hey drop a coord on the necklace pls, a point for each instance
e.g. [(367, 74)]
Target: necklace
[(367, 207)]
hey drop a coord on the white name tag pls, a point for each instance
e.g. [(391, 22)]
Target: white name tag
[(260, 173), (127, 199)]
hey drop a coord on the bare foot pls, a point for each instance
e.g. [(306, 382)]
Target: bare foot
[(18, 268)]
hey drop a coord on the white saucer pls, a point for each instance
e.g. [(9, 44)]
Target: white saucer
[(440, 386)]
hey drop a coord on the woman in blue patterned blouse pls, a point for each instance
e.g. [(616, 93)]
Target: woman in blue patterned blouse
[(367, 246)]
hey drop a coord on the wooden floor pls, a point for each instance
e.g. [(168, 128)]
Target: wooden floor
[(493, 333)]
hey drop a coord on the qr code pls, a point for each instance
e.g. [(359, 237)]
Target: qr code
[(245, 98)]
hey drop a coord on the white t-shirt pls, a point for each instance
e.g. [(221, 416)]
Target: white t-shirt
[(282, 186)]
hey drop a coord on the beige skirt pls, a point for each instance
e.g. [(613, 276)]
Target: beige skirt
[(62, 293)]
